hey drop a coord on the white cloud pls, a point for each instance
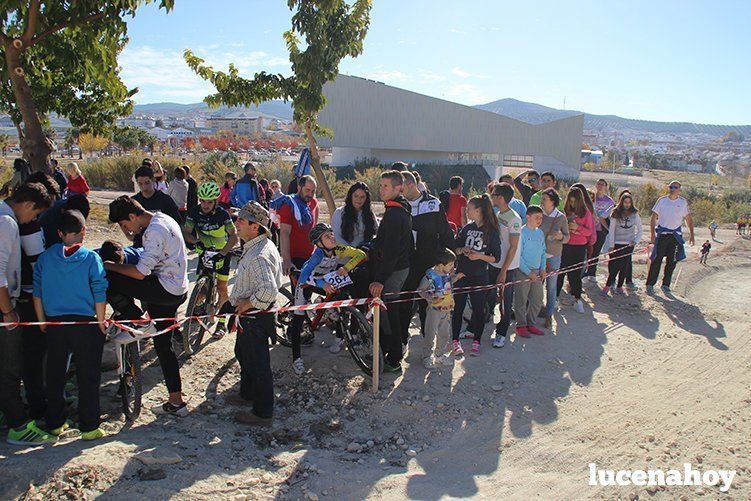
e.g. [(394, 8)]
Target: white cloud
[(460, 72), (165, 76), (385, 76), (429, 76), (465, 93), (459, 32)]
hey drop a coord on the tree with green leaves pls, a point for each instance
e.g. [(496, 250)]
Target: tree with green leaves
[(323, 33), (62, 57)]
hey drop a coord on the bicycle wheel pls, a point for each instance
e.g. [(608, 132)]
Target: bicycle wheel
[(131, 385), (283, 320), (198, 305), (359, 336)]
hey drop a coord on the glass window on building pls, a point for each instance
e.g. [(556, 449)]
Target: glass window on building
[(519, 161)]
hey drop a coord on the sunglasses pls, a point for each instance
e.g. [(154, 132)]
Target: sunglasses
[(533, 179), (675, 186)]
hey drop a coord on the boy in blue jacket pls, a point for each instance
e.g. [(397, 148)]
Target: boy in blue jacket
[(71, 268), (528, 293)]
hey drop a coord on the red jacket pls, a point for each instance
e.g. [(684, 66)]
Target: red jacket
[(78, 186)]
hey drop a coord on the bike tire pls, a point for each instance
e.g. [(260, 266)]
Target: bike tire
[(194, 331), (131, 382), (358, 334)]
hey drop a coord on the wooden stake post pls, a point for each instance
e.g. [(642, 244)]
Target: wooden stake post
[(376, 345)]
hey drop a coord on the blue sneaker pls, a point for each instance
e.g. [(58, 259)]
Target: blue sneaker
[(650, 290), (665, 289), (632, 286)]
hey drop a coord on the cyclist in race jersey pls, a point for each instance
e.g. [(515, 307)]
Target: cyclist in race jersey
[(214, 230), (328, 257)]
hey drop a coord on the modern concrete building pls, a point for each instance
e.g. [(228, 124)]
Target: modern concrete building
[(374, 120)]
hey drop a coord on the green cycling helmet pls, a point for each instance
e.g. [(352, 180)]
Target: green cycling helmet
[(317, 232), (208, 191)]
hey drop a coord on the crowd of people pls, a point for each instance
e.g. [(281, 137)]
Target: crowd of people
[(433, 255)]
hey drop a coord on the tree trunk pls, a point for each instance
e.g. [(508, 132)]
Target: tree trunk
[(315, 162), (35, 145)]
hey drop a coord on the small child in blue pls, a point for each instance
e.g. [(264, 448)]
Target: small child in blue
[(70, 284), (436, 288), (528, 294)]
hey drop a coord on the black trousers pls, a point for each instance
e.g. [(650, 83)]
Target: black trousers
[(10, 376), (591, 270), (570, 256), (86, 342), (479, 300), (122, 293), (667, 247), (252, 353), (34, 348), (407, 309), (618, 264), (492, 293), (391, 339)]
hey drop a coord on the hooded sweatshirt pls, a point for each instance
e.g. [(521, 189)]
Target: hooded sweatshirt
[(245, 190), (81, 275), (393, 244)]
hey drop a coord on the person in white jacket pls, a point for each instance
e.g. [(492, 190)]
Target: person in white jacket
[(625, 232)]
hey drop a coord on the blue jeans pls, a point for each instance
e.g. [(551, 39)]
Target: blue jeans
[(551, 283)]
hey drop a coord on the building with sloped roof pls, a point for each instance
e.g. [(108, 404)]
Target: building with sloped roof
[(373, 120)]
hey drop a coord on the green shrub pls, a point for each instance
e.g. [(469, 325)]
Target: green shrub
[(371, 177), (217, 163)]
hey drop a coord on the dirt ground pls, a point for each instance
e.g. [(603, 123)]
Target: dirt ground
[(633, 383)]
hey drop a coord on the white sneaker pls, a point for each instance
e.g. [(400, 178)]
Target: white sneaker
[(171, 409), (466, 335), (298, 367), (427, 362), (499, 341), (337, 346), (579, 306)]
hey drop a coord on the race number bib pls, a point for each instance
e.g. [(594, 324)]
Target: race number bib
[(337, 281)]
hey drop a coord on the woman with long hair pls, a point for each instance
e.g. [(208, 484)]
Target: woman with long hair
[(160, 177), (625, 232), (355, 224), (478, 244), (603, 206), (230, 178), (574, 253)]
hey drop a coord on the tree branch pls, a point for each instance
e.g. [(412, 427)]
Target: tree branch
[(31, 24), (61, 26)]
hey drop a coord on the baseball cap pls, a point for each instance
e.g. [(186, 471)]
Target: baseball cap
[(255, 213)]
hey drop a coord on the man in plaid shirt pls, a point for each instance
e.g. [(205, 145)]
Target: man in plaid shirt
[(258, 278)]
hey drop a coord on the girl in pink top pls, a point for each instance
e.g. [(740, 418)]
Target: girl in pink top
[(581, 228)]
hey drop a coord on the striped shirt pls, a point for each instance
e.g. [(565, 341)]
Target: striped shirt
[(259, 274)]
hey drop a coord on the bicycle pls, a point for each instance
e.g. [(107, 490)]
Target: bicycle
[(128, 351), (203, 302), (347, 322)]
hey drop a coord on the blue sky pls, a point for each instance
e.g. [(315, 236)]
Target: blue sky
[(657, 60)]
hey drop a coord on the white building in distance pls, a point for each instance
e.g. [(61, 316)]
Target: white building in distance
[(374, 120)]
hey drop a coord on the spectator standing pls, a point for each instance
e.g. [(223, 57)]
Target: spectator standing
[(432, 233), (436, 289), (79, 271), (547, 180), (160, 177), (178, 191), (624, 233), (192, 188), (705, 248), (390, 262), (456, 202), (153, 200), (59, 176), (666, 235), (529, 189), (247, 188), (297, 215), (50, 219), (516, 204), (529, 289), (555, 227), (355, 224), (24, 205), (225, 190), (603, 206), (77, 185), (477, 245), (574, 253), (510, 225), (258, 278)]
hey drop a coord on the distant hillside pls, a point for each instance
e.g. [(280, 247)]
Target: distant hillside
[(536, 114), (276, 109)]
